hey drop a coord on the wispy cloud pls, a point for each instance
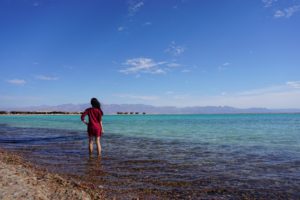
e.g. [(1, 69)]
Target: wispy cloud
[(121, 28), (46, 78), (173, 65), (224, 66), (287, 12), (143, 65), (181, 97), (278, 99), (291, 10), (278, 14), (284, 95), (293, 84), (134, 7), (174, 49), (287, 87), (169, 92), (185, 71), (147, 24), (17, 81), (282, 12), (265, 90), (268, 3), (277, 96)]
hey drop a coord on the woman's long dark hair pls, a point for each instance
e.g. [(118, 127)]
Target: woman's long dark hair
[(96, 104)]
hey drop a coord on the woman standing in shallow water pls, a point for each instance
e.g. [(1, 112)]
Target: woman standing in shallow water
[(94, 126)]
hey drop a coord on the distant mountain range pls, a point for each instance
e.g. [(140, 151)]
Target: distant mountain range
[(114, 108)]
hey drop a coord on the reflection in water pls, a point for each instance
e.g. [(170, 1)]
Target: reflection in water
[(93, 166), (161, 168)]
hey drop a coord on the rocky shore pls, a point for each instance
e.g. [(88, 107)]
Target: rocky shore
[(22, 180)]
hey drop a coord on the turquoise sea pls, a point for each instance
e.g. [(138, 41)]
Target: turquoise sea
[(230, 156)]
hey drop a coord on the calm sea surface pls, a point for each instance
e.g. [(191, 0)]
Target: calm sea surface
[(168, 156)]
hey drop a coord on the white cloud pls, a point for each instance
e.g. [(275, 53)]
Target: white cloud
[(173, 65), (134, 7), (158, 71), (46, 78), (149, 66), (291, 10), (142, 65), (268, 3), (293, 84), (279, 14), (17, 81), (175, 50), (287, 12)]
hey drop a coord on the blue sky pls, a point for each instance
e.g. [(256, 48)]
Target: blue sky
[(178, 53)]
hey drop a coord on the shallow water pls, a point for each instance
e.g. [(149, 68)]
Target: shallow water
[(169, 156)]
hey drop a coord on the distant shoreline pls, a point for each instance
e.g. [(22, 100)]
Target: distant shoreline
[(130, 114), (61, 113), (38, 113)]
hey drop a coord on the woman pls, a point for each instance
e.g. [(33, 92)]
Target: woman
[(94, 126)]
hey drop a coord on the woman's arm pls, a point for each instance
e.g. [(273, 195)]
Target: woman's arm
[(83, 116), (100, 120)]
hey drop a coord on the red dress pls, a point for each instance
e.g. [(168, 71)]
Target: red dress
[(95, 118)]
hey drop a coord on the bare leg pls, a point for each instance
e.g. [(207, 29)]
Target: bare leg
[(91, 144), (98, 146)]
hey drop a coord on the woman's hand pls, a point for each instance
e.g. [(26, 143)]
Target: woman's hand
[(102, 126)]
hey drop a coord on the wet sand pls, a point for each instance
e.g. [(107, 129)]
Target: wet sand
[(22, 180)]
